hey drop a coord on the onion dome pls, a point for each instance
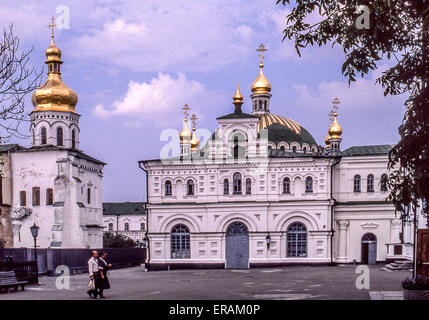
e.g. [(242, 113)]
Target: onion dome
[(186, 134), (327, 141), (335, 130), (54, 94), (261, 84)]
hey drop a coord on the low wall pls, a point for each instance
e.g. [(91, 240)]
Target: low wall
[(75, 259)]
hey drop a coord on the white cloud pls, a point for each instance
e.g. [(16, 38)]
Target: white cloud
[(362, 94), (158, 101)]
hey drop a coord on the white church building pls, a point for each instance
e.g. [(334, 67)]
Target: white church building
[(53, 183), (263, 192)]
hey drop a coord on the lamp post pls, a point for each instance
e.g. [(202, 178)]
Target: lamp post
[(34, 232)]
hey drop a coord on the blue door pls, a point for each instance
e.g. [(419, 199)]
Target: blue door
[(237, 246)]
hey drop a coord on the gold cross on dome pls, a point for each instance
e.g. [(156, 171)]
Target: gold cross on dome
[(185, 110), (194, 119), (331, 115), (52, 25), (261, 51)]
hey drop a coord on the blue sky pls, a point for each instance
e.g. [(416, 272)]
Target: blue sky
[(135, 63)]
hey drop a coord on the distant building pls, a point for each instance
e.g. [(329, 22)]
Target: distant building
[(52, 183), (126, 218)]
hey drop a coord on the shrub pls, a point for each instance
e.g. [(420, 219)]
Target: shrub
[(417, 283)]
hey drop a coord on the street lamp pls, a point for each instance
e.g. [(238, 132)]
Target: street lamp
[(35, 231)]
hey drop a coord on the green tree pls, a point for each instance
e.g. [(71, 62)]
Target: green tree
[(111, 240), (369, 32)]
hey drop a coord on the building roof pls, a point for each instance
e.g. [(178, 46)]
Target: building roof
[(356, 151), (49, 147), (123, 208), (278, 132), (237, 116), (9, 147)]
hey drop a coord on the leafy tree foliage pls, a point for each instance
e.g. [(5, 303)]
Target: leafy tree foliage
[(111, 240), (397, 31)]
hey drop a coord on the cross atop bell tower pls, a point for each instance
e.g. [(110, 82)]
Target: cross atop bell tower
[(52, 26)]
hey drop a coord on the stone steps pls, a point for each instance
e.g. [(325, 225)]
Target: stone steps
[(400, 265)]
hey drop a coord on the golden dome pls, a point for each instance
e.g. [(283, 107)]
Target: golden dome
[(327, 141), (261, 84), (195, 143), (267, 119), (54, 94), (238, 97), (186, 134), (335, 129)]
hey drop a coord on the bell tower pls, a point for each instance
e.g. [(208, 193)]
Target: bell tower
[(54, 120)]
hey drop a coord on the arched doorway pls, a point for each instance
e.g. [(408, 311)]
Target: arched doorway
[(237, 246), (369, 248)]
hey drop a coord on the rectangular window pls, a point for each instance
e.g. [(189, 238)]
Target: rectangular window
[(49, 197), (36, 196), (127, 227), (22, 198), (110, 226), (142, 226), (89, 196)]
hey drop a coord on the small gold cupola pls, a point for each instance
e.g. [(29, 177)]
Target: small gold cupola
[(237, 100), (186, 134), (261, 84), (54, 94), (335, 130), (195, 143)]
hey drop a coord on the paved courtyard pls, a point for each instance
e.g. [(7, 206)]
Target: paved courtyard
[(289, 283)]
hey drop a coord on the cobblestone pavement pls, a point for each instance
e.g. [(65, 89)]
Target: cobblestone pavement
[(288, 283)]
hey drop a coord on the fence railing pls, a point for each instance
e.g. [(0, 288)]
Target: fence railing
[(76, 260)]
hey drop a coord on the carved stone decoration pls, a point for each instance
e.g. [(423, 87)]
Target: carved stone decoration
[(343, 224), (369, 225), (20, 213), (236, 228)]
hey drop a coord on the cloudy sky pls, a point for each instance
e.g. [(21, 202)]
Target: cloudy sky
[(135, 63)]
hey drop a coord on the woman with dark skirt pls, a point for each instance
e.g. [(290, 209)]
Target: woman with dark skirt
[(104, 267)]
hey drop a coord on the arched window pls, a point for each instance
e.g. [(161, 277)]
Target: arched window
[(270, 148), (294, 149), (36, 196), (239, 149), (248, 186), (126, 226), (60, 137), (190, 187), (282, 148), (296, 240), (88, 195), (180, 242), (383, 183), (168, 190), (356, 183), (309, 184), (43, 136), (237, 182), (49, 197), (304, 149), (286, 185), (370, 183), (225, 186), (110, 226), (73, 134)]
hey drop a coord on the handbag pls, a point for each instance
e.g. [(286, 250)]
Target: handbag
[(91, 285)]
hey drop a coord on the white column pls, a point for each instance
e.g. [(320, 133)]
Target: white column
[(342, 238), (396, 229)]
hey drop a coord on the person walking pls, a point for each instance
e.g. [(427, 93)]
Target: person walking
[(103, 267), (94, 275)]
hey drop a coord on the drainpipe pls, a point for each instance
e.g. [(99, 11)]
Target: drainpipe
[(337, 161), (147, 215)]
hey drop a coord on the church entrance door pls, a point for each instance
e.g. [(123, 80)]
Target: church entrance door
[(369, 248), (237, 246)]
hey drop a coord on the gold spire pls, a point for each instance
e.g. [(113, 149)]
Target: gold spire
[(186, 134), (195, 143), (261, 84), (335, 129), (54, 94), (237, 98)]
